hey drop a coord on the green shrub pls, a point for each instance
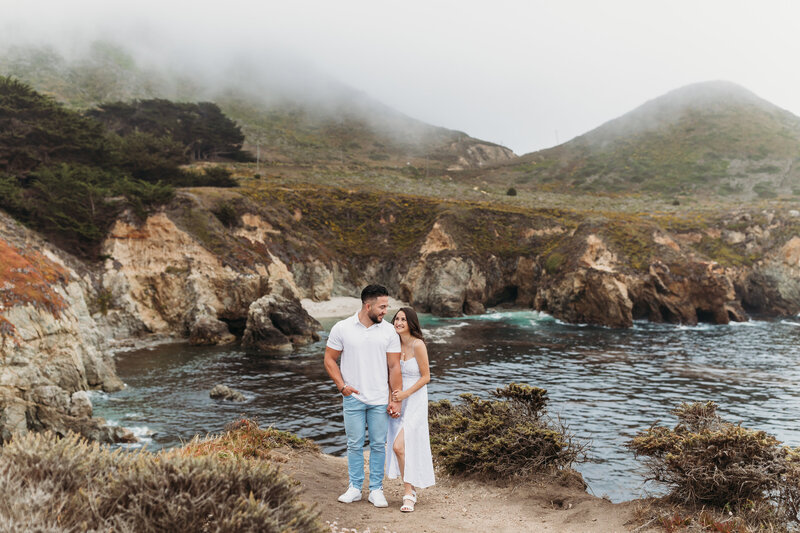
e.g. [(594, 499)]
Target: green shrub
[(67, 484), (212, 176), (706, 461), (509, 436), (511, 191), (553, 263), (764, 190), (226, 213)]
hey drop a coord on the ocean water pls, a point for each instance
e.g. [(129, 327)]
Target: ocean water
[(605, 384)]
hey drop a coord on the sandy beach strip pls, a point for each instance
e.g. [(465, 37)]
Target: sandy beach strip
[(342, 306)]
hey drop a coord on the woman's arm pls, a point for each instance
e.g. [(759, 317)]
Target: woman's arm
[(421, 353)]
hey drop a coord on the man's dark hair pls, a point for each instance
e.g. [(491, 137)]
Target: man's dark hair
[(373, 291)]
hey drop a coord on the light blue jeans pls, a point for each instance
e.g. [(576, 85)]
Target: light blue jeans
[(359, 418)]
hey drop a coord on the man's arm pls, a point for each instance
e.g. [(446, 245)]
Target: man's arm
[(331, 357), (395, 382)]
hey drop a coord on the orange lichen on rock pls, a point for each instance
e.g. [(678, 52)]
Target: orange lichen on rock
[(27, 278)]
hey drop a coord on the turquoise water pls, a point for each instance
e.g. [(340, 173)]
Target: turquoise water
[(605, 384)]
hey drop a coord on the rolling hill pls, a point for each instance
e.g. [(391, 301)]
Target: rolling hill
[(715, 137)]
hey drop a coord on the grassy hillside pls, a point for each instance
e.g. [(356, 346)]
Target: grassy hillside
[(716, 138), (332, 124)]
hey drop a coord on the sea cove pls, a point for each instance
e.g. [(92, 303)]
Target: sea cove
[(605, 383)]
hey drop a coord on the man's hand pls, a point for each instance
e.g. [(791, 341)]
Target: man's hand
[(347, 390), (394, 409)]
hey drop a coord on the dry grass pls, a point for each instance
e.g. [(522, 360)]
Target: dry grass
[(243, 439), (68, 484)]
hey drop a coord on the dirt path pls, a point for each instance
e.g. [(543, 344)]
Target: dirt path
[(455, 505)]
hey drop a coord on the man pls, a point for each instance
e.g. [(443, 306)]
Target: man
[(370, 370)]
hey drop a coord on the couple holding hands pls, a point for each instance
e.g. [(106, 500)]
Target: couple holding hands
[(383, 381)]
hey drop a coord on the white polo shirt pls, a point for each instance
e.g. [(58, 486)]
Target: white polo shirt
[(363, 362)]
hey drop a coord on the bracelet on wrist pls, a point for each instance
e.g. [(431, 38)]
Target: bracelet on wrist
[(342, 389)]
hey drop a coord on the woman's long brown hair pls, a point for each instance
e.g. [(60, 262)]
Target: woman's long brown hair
[(413, 322)]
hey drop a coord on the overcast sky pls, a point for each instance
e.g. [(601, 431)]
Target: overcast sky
[(526, 74)]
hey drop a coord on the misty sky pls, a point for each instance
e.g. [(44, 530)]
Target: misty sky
[(526, 74)]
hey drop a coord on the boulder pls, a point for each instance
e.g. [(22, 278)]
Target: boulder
[(80, 405), (223, 392), (207, 330), (60, 423), (13, 418), (276, 323)]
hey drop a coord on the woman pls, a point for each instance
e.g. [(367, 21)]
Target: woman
[(410, 455)]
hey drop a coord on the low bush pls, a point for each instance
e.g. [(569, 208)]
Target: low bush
[(226, 213), (553, 263), (68, 484), (243, 439), (212, 176), (708, 462), (508, 436)]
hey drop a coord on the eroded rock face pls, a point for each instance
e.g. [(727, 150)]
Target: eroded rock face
[(687, 294), (475, 154), (168, 279), (276, 323), (51, 350), (599, 292), (444, 285), (773, 286), (588, 296)]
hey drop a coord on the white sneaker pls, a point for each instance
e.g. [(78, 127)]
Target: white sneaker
[(377, 498), (351, 495)]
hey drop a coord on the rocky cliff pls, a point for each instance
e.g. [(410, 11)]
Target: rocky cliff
[(51, 350), (217, 265)]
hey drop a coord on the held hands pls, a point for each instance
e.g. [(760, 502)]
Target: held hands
[(394, 409)]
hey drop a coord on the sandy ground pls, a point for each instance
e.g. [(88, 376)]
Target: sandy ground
[(453, 505), (340, 306)]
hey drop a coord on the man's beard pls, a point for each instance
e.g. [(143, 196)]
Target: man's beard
[(374, 318)]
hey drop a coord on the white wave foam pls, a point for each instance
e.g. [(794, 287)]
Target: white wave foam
[(562, 323), (696, 327)]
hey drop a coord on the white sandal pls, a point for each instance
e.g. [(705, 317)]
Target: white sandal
[(409, 507)]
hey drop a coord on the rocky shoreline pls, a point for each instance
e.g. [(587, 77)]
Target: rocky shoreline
[(186, 273)]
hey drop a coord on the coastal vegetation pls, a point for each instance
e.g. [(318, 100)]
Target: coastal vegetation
[(243, 440), (65, 174), (711, 465), (509, 436), (202, 130), (68, 484)]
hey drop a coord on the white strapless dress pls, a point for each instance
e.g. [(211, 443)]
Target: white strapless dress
[(414, 420)]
